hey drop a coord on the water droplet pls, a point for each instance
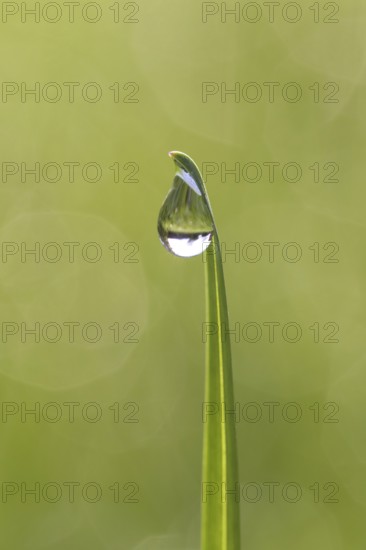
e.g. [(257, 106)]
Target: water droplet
[(185, 222)]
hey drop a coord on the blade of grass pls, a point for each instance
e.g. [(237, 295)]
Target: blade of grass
[(220, 511)]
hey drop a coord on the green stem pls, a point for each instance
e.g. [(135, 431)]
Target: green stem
[(220, 512)]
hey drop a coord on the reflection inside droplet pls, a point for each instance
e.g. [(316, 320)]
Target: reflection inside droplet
[(187, 245)]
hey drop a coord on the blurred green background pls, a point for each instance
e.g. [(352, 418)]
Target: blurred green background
[(158, 378)]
